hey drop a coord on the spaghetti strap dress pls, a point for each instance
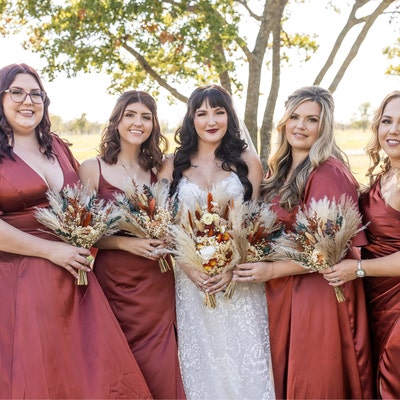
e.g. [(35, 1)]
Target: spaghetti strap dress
[(143, 300)]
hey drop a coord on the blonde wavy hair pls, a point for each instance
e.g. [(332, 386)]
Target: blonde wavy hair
[(374, 149), (280, 162)]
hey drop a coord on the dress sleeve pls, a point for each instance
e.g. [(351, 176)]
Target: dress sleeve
[(333, 179)]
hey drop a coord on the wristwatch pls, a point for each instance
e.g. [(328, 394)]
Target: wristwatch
[(360, 271)]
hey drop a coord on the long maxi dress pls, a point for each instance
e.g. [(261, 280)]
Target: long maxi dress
[(225, 351), (383, 293), (143, 300), (57, 340), (320, 348)]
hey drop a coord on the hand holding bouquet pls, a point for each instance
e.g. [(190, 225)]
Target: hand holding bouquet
[(322, 235), (78, 218), (204, 240), (147, 213)]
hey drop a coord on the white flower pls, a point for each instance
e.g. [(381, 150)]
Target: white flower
[(208, 218), (207, 252), (316, 256), (216, 217)]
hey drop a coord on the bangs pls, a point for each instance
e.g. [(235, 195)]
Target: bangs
[(213, 97)]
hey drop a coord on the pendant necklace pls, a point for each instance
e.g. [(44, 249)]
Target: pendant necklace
[(126, 170)]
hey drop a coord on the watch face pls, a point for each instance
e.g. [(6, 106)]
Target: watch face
[(360, 273)]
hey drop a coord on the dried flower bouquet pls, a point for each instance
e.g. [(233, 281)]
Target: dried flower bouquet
[(147, 213), (204, 239), (322, 235), (79, 218)]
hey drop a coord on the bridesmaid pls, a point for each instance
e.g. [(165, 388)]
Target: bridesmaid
[(320, 348), (142, 298), (379, 268), (57, 340)]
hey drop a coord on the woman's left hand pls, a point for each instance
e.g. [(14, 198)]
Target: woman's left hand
[(340, 273), (252, 272)]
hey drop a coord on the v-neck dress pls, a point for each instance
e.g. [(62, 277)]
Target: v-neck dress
[(383, 293), (57, 340)]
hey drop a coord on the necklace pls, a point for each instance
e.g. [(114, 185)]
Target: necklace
[(126, 170)]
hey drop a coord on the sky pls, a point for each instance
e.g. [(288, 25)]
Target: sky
[(364, 81)]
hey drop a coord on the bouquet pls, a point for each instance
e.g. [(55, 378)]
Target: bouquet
[(257, 231), (322, 235), (204, 239), (78, 218), (147, 214)]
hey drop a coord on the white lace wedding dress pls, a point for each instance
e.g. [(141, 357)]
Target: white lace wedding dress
[(224, 352)]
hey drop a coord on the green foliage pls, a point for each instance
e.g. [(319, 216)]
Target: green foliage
[(393, 53), (148, 44), (363, 118), (172, 45), (304, 46), (134, 41), (78, 126)]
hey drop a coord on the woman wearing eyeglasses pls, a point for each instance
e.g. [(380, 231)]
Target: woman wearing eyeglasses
[(57, 340)]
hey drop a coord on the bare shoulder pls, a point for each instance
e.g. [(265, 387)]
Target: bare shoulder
[(251, 158), (90, 163), (89, 172), (167, 168)]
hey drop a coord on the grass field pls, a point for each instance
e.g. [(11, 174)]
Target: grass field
[(351, 141)]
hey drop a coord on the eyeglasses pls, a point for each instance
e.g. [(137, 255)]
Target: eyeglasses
[(18, 95)]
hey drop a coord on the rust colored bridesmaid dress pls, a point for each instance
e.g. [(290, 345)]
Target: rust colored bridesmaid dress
[(383, 293), (320, 348), (57, 340), (143, 300)]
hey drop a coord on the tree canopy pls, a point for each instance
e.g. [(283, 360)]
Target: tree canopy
[(179, 44)]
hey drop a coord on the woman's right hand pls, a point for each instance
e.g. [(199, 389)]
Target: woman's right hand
[(148, 248), (197, 277), (70, 257)]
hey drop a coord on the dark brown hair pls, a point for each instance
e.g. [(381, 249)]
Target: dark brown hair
[(151, 151), (7, 77)]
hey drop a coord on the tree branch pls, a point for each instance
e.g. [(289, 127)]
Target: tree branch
[(357, 43), (149, 70)]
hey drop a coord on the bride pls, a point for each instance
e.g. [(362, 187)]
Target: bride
[(224, 351)]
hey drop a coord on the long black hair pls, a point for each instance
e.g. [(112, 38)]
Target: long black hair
[(232, 145)]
